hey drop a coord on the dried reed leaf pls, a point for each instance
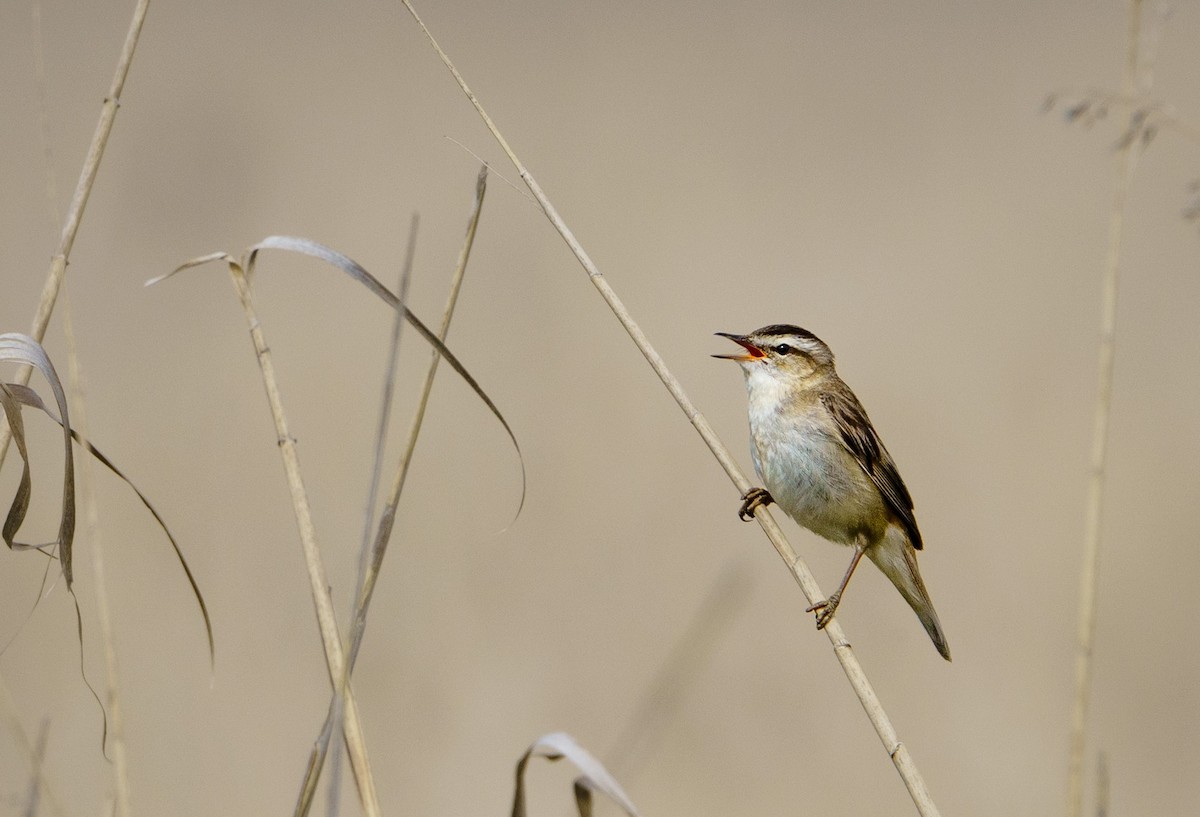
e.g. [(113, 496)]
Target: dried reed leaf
[(595, 777), (356, 271), (29, 397), (21, 348)]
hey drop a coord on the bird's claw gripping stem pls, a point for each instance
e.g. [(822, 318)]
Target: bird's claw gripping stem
[(752, 500), (825, 610)]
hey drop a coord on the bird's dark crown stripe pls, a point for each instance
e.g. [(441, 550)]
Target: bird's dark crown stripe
[(786, 329)]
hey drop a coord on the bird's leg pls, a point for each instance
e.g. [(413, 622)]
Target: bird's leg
[(826, 608), (752, 500)]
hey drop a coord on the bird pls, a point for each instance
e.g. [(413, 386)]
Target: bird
[(821, 461)]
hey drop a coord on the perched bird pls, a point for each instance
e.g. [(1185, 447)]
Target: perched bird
[(823, 463)]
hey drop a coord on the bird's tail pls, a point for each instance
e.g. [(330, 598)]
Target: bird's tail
[(898, 561)]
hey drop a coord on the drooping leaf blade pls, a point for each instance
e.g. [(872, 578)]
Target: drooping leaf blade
[(356, 271), (31, 398), (21, 348), (595, 777)]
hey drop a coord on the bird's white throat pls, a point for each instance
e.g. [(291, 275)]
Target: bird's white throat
[(765, 389)]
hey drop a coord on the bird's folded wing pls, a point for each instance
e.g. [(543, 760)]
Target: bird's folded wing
[(859, 437)]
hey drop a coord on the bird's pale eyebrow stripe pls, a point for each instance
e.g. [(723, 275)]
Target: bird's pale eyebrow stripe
[(793, 345)]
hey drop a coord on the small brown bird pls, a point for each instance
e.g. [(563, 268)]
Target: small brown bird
[(823, 463)]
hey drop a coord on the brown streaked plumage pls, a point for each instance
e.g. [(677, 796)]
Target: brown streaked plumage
[(823, 463)]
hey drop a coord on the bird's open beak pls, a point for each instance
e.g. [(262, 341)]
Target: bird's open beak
[(752, 351)]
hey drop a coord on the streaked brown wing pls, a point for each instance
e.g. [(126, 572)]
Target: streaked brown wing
[(858, 435)]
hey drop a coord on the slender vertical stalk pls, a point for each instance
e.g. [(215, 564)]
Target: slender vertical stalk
[(116, 720), (83, 189), (1089, 571), (379, 548), (326, 619), (375, 549), (898, 752), (334, 789), (414, 428)]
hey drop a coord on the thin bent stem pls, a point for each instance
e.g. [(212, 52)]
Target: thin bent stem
[(1089, 571), (899, 753), (87, 178), (326, 619)]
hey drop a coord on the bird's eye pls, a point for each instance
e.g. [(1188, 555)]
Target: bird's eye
[(781, 348)]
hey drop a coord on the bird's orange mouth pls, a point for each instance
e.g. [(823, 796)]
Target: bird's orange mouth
[(752, 351)]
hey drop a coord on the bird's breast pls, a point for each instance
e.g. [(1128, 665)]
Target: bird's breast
[(812, 476)]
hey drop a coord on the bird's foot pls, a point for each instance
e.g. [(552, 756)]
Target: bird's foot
[(825, 610), (752, 500)]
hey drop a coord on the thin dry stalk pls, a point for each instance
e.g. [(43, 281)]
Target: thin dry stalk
[(334, 790), (414, 430), (116, 720), (115, 713), (335, 658), (372, 559), (87, 178), (1089, 571), (899, 753), (367, 585)]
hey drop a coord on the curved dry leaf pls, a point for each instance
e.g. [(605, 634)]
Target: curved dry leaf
[(194, 262), (356, 271), (595, 777), (29, 397), (20, 348), (20, 503)]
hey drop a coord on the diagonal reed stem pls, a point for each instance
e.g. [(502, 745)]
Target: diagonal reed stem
[(83, 189), (898, 752), (335, 658), (1089, 571)]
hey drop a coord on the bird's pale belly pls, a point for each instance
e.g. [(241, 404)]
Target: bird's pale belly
[(817, 482)]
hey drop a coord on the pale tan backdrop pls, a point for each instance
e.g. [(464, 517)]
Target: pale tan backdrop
[(877, 172)]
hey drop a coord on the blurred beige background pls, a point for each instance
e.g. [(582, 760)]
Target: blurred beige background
[(877, 172)]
